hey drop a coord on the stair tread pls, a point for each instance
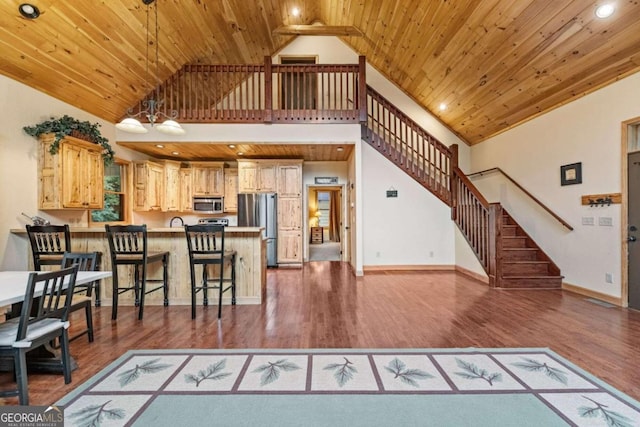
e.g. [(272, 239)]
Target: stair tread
[(533, 261), (532, 277)]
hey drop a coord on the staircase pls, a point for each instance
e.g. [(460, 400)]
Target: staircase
[(507, 253)]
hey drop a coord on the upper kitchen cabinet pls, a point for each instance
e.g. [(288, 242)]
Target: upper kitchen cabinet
[(186, 190), (148, 184), (289, 179), (257, 176), (172, 187), (231, 190), (208, 178), (72, 178)]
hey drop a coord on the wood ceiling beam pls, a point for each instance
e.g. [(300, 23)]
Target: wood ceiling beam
[(318, 30)]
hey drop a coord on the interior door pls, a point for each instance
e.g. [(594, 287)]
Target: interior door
[(634, 229)]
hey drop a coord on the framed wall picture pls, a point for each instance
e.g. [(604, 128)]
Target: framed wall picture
[(571, 174)]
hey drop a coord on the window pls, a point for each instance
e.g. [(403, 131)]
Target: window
[(324, 208), (115, 194)]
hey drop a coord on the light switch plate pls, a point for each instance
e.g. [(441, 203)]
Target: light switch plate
[(587, 220), (605, 220)]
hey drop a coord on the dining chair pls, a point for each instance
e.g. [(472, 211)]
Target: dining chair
[(48, 244), (43, 318), (86, 261), (206, 248), (128, 246)]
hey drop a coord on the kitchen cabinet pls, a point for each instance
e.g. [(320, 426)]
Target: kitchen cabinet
[(171, 199), (148, 184), (289, 180), (186, 190), (71, 179), (290, 247), (208, 178), (257, 176), (231, 190), (289, 213)]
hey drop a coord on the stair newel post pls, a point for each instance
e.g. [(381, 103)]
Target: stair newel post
[(495, 244), (268, 90), (362, 88), (453, 180)]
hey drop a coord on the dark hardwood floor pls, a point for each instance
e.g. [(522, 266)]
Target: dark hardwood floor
[(324, 306)]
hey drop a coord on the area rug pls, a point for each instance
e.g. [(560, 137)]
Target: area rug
[(347, 387)]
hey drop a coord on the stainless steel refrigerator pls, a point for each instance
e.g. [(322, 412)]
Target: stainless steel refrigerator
[(261, 210)]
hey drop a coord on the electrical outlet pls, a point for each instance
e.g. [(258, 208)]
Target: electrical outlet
[(587, 220), (608, 277), (605, 220), (430, 254), (377, 254)]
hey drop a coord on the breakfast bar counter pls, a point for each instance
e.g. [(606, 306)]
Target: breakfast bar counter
[(248, 242)]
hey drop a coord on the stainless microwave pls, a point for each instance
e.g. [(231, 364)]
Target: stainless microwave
[(208, 204)]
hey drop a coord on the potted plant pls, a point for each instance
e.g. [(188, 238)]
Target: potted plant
[(68, 126)]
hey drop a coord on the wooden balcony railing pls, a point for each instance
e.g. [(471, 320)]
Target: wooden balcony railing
[(264, 93)]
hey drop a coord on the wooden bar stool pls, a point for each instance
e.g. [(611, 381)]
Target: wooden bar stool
[(206, 247), (48, 244), (128, 246)]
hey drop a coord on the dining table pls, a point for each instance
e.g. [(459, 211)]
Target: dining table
[(13, 286)]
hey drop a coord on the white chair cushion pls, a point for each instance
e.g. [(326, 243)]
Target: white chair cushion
[(9, 331)]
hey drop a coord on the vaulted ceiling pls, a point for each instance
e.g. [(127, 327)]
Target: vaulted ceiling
[(495, 63)]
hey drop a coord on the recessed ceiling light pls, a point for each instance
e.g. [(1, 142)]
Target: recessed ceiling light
[(442, 106), (29, 11), (295, 11), (175, 153), (605, 10), (340, 149), (240, 154), (232, 146), (159, 146)]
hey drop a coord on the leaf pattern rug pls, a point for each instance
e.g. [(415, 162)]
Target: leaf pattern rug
[(347, 387)]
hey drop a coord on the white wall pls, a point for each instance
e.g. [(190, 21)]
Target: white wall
[(589, 131), (24, 106)]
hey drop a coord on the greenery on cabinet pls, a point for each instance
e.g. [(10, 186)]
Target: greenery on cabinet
[(68, 126)]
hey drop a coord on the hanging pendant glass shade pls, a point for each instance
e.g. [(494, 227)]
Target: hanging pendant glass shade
[(171, 127), (131, 125)]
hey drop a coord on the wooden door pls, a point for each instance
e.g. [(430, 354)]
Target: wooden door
[(634, 229), (267, 178), (155, 186), (171, 188), (289, 213), (186, 190), (247, 177), (289, 246), (289, 180), (231, 190)]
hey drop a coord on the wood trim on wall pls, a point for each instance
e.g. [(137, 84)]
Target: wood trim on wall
[(592, 294), (477, 276), (379, 268)]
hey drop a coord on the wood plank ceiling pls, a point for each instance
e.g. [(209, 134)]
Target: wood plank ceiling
[(495, 63)]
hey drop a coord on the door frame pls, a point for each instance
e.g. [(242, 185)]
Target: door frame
[(626, 132), (344, 247)]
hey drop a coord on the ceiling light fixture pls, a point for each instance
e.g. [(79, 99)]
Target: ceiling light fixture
[(152, 104), (295, 11), (605, 10), (29, 11), (340, 149), (231, 146), (175, 153), (240, 154), (159, 146), (442, 106)]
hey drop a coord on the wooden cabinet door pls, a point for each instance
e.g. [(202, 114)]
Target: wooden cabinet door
[(267, 177), (95, 177), (290, 246), (208, 180), (155, 186), (73, 176), (289, 213), (186, 190), (171, 187), (231, 190), (247, 177), (289, 181)]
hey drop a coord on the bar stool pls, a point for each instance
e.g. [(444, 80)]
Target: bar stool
[(48, 244), (206, 247), (128, 246)]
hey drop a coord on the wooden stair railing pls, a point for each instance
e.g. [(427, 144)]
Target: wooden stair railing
[(525, 191), (408, 145), (508, 255)]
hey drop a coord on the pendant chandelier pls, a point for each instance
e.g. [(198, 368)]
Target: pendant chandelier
[(151, 105)]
